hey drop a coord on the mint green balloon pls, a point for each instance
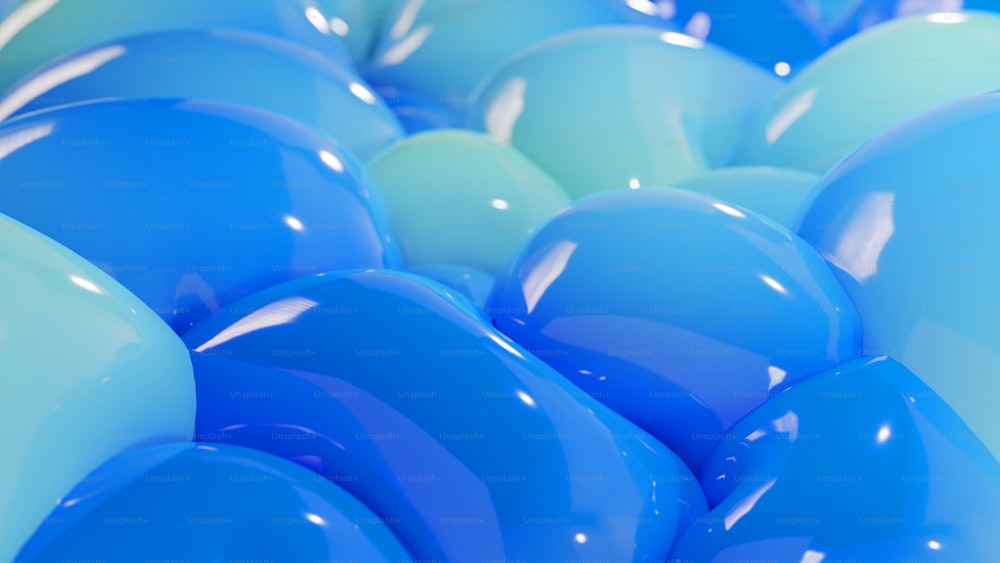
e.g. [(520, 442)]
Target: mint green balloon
[(87, 371), (776, 193), (458, 197), (872, 81)]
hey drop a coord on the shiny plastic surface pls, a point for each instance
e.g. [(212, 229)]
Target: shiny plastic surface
[(189, 204), (776, 193), (615, 107), (443, 49), (41, 30), (356, 22), (417, 113), (679, 311), (86, 372), (458, 197), (909, 225), (863, 461), (475, 285), (225, 66), (470, 448), (191, 502), (871, 82)]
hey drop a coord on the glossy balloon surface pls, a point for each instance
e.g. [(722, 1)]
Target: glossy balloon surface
[(871, 82), (469, 447), (417, 113), (191, 204), (475, 285), (191, 502), (908, 224), (615, 107), (776, 193), (462, 198), (41, 30), (864, 460), (221, 65), (682, 338), (86, 372), (357, 22)]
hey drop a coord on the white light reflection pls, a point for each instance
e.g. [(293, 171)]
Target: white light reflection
[(506, 108), (526, 398), (865, 237), (86, 284), (406, 47), (546, 270), (746, 505), (362, 93), (275, 314), (681, 40), (407, 17), (331, 160), (811, 556), (580, 538), (773, 284), (23, 138), (884, 434), (294, 223), (789, 114), (634, 184), (315, 519), (935, 545), (339, 27), (22, 17), (730, 210), (776, 375), (787, 424), (500, 204), (699, 26), (782, 69), (645, 6), (318, 20), (948, 17)]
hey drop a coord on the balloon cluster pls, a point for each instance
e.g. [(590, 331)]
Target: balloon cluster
[(499, 280)]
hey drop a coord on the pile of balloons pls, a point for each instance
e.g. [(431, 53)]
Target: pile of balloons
[(499, 280)]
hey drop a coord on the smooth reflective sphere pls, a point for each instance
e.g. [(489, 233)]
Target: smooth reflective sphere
[(470, 448), (618, 107), (41, 30), (908, 224), (475, 285), (776, 193), (678, 311), (871, 82), (223, 65), (191, 204), (191, 502), (417, 113), (86, 372), (458, 197), (863, 461), (356, 22)]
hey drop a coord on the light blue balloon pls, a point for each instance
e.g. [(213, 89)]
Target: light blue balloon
[(863, 462), (223, 65), (443, 49), (776, 193), (357, 22), (908, 224), (418, 114), (87, 371), (475, 285), (617, 107), (681, 312)]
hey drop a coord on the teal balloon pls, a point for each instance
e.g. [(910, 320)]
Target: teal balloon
[(776, 193), (87, 371), (908, 224), (458, 197), (41, 30), (871, 82), (618, 107)]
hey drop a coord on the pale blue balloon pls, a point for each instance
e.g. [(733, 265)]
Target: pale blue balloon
[(87, 371), (616, 107), (909, 225), (776, 193)]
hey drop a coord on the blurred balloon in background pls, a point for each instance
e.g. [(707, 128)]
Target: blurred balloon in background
[(191, 204), (908, 224), (468, 446), (357, 22), (88, 371), (474, 284), (846, 462), (417, 113), (776, 193), (617, 107), (191, 502), (679, 311)]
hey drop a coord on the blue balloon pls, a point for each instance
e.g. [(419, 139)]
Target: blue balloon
[(776, 193), (863, 461), (417, 113), (475, 285), (222, 65), (191, 502), (468, 446), (680, 312), (907, 224), (191, 204)]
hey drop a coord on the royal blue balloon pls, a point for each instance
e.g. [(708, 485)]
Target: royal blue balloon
[(191, 204), (222, 65), (191, 502), (908, 224), (417, 113), (679, 311), (468, 446), (863, 461), (475, 285)]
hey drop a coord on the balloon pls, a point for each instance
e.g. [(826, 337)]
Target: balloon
[(871, 82), (907, 223), (86, 372), (418, 114), (474, 285), (287, 79), (777, 193), (41, 30), (191, 502), (678, 311), (864, 459), (357, 22), (615, 107), (462, 198), (191, 204), (468, 446), (444, 49)]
